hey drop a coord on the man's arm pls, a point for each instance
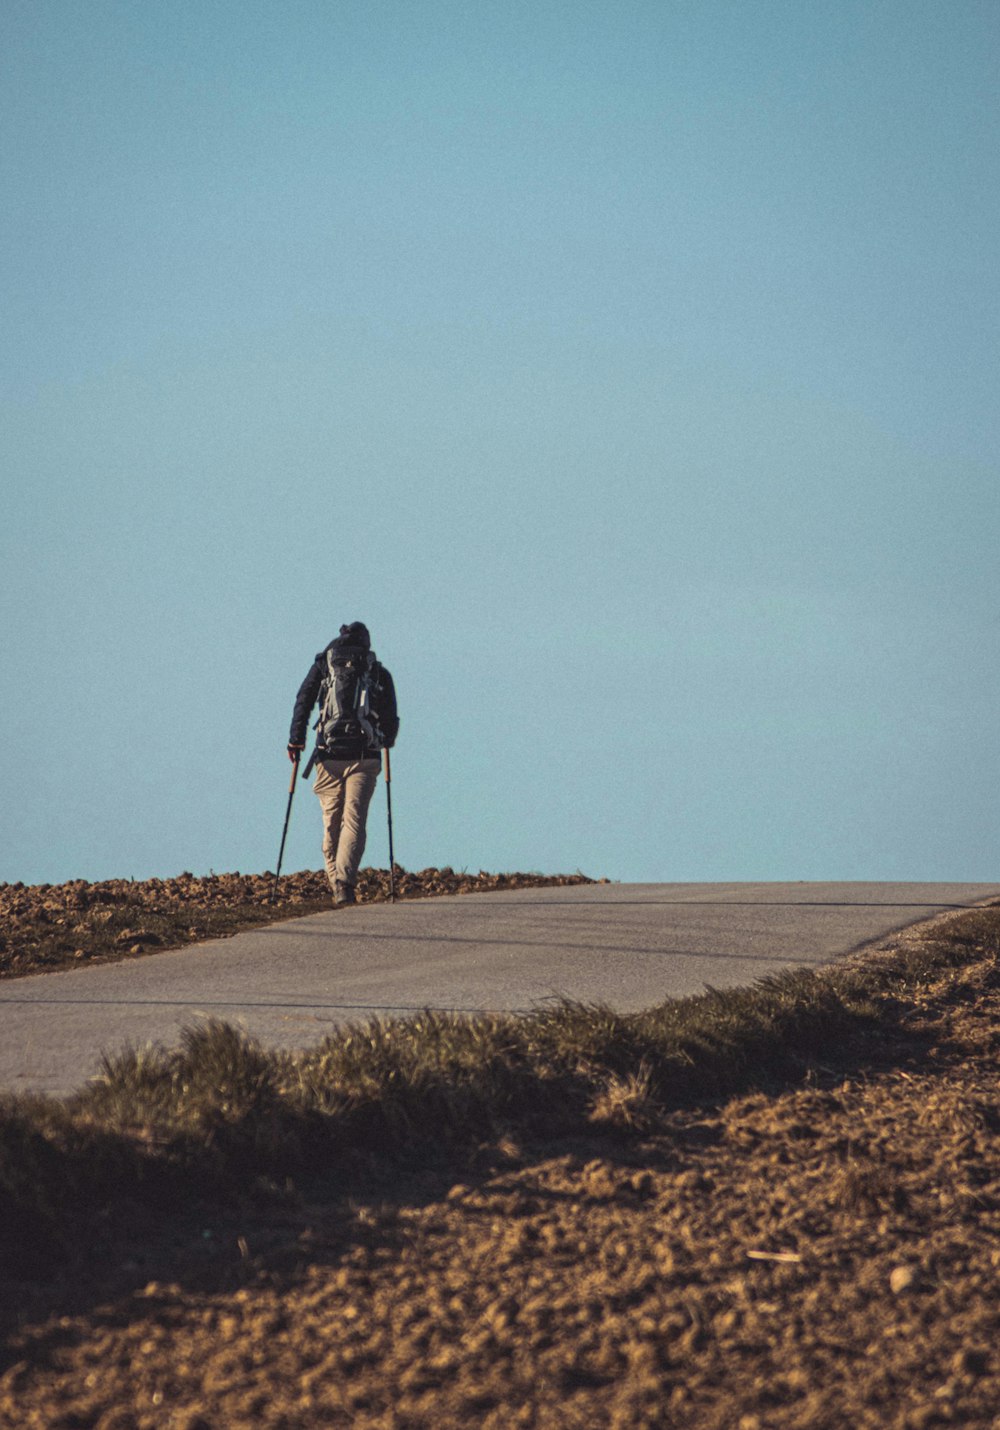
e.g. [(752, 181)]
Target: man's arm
[(304, 702), (385, 708)]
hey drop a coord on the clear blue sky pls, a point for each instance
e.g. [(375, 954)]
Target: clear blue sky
[(630, 368)]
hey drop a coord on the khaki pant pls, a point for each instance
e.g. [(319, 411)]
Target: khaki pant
[(345, 789)]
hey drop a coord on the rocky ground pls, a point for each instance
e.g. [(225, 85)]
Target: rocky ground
[(825, 1254), (49, 926)]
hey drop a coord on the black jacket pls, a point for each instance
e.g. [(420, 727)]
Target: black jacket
[(383, 701)]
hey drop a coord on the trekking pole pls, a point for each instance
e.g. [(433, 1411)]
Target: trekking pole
[(288, 811), (388, 805)]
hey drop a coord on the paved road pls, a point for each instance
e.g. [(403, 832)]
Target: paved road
[(628, 945)]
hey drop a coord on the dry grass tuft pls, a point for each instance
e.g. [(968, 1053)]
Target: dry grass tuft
[(626, 1102)]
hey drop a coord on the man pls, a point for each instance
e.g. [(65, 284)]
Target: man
[(357, 721)]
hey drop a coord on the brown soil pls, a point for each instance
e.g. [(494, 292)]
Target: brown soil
[(827, 1255), (48, 926)]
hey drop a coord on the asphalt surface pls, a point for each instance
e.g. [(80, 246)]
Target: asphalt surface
[(627, 945)]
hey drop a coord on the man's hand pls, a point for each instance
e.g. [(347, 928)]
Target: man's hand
[(294, 751)]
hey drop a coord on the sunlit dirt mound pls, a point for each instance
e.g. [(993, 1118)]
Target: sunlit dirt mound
[(814, 1252), (48, 926)]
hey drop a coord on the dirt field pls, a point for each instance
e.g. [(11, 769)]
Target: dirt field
[(44, 927), (823, 1255)]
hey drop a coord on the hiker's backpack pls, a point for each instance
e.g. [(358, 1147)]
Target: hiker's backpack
[(345, 710)]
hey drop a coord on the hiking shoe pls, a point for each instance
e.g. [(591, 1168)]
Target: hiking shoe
[(344, 894)]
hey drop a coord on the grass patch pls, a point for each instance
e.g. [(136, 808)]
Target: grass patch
[(220, 1116)]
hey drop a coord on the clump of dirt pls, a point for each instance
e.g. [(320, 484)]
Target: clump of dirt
[(49, 926), (823, 1254)]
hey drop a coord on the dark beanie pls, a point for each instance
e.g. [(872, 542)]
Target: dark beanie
[(357, 633)]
